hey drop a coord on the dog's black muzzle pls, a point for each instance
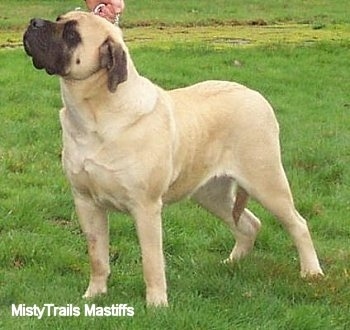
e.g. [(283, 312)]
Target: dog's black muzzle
[(43, 42)]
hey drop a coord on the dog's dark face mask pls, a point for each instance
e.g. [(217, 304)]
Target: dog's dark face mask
[(51, 45), (77, 46)]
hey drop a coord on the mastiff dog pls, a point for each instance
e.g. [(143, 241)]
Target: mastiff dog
[(131, 146)]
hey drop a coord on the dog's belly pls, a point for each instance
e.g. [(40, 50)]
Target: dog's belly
[(187, 181), (183, 188), (197, 165)]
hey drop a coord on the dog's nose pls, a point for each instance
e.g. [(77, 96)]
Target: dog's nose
[(37, 23)]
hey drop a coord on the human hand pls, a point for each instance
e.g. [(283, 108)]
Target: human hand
[(110, 9)]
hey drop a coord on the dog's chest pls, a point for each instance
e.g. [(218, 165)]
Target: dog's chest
[(92, 169)]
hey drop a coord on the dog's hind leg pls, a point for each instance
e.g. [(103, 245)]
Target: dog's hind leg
[(266, 181), (218, 197)]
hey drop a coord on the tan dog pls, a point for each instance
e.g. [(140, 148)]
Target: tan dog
[(131, 146)]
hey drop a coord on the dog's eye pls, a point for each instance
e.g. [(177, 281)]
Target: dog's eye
[(70, 35)]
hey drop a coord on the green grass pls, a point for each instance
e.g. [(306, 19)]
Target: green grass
[(190, 12), (43, 255)]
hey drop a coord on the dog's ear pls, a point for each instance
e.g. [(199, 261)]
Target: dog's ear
[(113, 58)]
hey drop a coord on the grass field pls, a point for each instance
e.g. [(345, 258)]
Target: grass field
[(300, 61)]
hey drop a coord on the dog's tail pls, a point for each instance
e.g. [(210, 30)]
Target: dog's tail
[(240, 203)]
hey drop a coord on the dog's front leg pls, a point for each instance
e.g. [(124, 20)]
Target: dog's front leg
[(94, 223), (149, 229)]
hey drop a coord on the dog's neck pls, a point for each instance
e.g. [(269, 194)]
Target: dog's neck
[(91, 104)]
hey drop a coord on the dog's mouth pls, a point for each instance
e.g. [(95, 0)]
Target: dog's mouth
[(36, 59)]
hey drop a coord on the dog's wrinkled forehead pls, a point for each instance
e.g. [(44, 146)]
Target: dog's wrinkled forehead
[(79, 16), (86, 25)]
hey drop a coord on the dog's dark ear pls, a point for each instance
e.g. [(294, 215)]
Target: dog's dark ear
[(113, 58)]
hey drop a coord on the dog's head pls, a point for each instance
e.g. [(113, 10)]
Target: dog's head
[(77, 46)]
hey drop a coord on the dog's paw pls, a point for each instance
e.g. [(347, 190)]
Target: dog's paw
[(227, 261), (94, 290), (311, 274), (157, 299)]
